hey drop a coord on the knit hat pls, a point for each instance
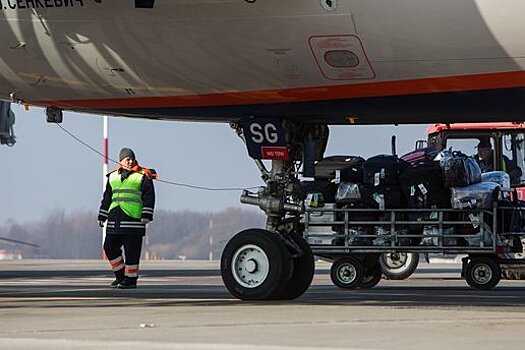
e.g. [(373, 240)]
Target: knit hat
[(484, 142), (126, 152)]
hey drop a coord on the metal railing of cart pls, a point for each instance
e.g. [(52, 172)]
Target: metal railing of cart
[(397, 237)]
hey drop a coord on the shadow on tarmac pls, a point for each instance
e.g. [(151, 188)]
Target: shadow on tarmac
[(85, 289)]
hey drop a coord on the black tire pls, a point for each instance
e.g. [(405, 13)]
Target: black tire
[(398, 266), (303, 270), (482, 273), (264, 253), (347, 273), (372, 276)]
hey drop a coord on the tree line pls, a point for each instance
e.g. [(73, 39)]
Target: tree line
[(172, 235)]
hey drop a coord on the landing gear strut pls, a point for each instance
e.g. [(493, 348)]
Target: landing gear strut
[(276, 263)]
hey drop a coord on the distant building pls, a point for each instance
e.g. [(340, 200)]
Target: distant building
[(10, 255)]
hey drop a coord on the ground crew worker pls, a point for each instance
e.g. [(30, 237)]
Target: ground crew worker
[(127, 206), (485, 159)]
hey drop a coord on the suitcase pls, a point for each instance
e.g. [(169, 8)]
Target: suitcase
[(325, 168), (383, 170), (352, 173), (381, 197), (419, 155), (459, 170), (477, 196), (326, 188), (348, 192), (422, 186)]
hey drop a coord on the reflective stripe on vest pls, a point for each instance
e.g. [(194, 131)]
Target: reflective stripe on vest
[(127, 194)]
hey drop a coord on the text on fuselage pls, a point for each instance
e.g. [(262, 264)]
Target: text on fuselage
[(35, 4)]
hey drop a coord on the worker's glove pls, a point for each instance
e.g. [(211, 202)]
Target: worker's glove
[(145, 221), (100, 223)]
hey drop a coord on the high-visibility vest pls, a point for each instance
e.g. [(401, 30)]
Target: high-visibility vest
[(127, 194)]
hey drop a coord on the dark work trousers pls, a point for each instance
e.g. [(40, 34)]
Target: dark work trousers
[(132, 248)]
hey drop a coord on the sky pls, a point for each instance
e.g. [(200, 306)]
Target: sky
[(47, 170)]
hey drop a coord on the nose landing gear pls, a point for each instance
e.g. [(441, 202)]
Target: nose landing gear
[(275, 263)]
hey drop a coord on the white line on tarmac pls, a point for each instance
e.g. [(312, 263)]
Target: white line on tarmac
[(30, 343)]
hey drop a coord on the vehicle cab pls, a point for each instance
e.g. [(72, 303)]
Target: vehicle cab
[(507, 141)]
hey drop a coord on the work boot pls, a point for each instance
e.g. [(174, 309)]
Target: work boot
[(119, 277), (128, 283)]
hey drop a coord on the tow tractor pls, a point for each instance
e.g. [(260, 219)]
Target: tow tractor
[(277, 262), (507, 139)]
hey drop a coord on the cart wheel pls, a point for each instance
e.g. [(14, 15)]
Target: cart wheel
[(347, 273), (398, 266), (372, 276), (482, 273)]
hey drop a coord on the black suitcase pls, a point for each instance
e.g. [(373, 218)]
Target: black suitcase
[(326, 188), (350, 166), (372, 196), (420, 155), (459, 170), (383, 170), (423, 187), (356, 215)]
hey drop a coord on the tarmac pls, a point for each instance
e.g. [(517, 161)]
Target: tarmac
[(67, 304)]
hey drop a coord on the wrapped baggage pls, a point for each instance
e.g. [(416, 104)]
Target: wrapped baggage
[(383, 236), (326, 168), (499, 177), (459, 170), (475, 241), (348, 192), (383, 170), (355, 236), (420, 155), (431, 236), (423, 187), (381, 197), (477, 196)]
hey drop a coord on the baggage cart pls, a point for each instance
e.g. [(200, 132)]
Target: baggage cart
[(354, 239)]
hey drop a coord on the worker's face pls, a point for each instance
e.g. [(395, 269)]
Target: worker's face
[(484, 153), (127, 163)]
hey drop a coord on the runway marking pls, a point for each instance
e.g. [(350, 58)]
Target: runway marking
[(11, 343)]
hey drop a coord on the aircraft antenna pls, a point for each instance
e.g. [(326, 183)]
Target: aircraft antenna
[(7, 121)]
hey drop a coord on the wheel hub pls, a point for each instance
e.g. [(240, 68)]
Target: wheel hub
[(250, 266), (396, 260), (482, 274), (347, 273)]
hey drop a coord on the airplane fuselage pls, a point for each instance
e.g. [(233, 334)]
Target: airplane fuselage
[(382, 61)]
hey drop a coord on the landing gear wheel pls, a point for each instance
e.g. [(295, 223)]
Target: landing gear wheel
[(303, 270), (347, 273), (372, 276), (255, 265), (398, 266), (482, 273)]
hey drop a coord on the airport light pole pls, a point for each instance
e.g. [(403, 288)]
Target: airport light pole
[(104, 173)]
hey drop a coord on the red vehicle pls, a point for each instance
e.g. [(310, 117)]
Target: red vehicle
[(507, 139)]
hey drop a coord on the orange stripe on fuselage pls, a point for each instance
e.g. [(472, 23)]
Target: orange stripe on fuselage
[(323, 93)]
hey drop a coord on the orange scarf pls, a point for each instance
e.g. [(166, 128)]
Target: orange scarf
[(138, 169)]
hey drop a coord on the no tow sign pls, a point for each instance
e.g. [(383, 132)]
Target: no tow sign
[(265, 138)]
